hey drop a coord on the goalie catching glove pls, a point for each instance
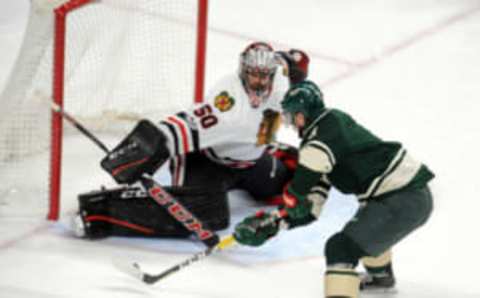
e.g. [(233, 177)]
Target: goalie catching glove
[(144, 150), (295, 64)]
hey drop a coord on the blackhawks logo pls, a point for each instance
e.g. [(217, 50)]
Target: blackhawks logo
[(224, 102)]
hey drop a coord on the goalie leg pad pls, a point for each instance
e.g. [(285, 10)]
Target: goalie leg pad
[(130, 211)]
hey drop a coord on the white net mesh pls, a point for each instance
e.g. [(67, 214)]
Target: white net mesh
[(125, 60)]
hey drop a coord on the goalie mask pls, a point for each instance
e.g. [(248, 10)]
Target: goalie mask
[(257, 70)]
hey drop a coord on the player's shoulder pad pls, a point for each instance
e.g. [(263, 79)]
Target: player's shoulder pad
[(317, 156)]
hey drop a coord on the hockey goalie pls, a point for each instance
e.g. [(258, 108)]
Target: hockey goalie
[(221, 144)]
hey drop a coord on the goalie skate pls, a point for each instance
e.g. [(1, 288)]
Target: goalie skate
[(78, 226)]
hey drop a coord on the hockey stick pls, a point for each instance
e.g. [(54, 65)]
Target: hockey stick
[(77, 125), (134, 269), (155, 191)]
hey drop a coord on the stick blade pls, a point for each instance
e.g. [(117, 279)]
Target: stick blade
[(150, 279)]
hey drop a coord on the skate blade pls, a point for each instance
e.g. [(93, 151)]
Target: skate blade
[(378, 292)]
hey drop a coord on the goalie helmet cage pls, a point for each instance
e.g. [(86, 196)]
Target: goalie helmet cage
[(108, 63)]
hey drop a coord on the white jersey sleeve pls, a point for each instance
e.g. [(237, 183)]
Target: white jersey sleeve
[(225, 125)]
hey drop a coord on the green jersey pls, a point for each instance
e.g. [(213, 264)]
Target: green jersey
[(340, 151)]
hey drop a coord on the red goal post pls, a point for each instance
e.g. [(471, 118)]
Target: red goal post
[(112, 60)]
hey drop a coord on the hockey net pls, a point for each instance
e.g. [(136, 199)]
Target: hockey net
[(108, 63)]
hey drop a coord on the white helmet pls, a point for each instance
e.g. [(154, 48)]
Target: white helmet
[(258, 59)]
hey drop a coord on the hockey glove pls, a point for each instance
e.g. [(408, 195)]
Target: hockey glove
[(257, 229), (302, 209), (144, 150), (297, 206), (295, 64)]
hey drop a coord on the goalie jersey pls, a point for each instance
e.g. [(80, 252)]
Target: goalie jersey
[(225, 127)]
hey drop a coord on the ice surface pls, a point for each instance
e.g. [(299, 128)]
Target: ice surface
[(408, 70)]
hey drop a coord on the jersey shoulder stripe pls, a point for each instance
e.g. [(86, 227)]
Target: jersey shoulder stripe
[(173, 137), (193, 130), (183, 131)]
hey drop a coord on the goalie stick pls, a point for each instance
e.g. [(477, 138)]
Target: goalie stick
[(134, 269), (77, 125), (155, 191)]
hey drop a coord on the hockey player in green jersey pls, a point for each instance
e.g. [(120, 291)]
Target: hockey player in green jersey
[(337, 151)]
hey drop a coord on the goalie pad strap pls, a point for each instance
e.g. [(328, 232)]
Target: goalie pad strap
[(123, 223)]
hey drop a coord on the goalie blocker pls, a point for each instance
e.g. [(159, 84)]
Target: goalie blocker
[(144, 150), (129, 211)]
